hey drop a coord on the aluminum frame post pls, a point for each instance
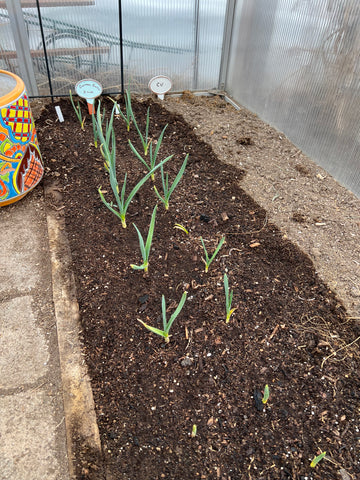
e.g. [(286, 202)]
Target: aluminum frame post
[(196, 45), (18, 28), (227, 37)]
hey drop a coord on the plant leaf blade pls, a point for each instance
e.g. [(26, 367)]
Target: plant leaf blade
[(154, 330), (317, 459)]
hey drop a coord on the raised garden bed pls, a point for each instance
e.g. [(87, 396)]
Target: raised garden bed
[(285, 332)]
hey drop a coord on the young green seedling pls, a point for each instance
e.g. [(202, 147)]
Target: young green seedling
[(165, 183), (77, 110), (94, 130), (127, 116), (152, 155), (228, 299), (122, 203), (145, 248), (317, 459), (105, 148), (166, 324), (181, 227), (207, 260), (266, 394), (109, 137), (109, 154), (144, 139), (193, 431)]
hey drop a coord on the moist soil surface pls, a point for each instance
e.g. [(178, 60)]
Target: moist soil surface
[(289, 330)]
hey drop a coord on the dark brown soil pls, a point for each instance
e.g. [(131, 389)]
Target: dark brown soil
[(289, 330)]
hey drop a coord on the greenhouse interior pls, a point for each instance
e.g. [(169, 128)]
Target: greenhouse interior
[(179, 279), (293, 62)]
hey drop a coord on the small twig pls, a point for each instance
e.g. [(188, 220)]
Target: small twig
[(38, 387), (58, 425), (274, 331), (342, 348), (234, 250), (189, 340), (296, 153), (252, 232), (57, 208)]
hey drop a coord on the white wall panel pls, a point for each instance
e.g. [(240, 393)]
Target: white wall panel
[(296, 63)]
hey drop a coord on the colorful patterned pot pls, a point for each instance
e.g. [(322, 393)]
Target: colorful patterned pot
[(21, 168)]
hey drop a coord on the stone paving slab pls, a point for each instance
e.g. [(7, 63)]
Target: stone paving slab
[(20, 252), (24, 352), (28, 447), (32, 422)]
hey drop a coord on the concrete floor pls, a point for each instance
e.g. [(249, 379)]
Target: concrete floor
[(32, 422)]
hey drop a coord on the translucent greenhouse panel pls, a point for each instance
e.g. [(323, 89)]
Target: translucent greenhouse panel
[(17, 51), (81, 40), (158, 39), (71, 39), (178, 38), (297, 64), (211, 34), (76, 39), (7, 44)]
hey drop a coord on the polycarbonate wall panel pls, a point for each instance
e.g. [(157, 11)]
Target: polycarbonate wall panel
[(7, 43), (18, 41), (178, 38), (81, 39), (72, 53), (158, 40), (296, 63), (211, 34)]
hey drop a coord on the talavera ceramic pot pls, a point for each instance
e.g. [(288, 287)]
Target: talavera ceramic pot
[(21, 167)]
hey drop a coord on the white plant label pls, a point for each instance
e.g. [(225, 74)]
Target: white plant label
[(89, 89), (160, 85), (59, 113)]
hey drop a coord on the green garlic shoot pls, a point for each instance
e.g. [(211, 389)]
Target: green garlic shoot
[(144, 139), (77, 110), (153, 156), (266, 394), (107, 150), (128, 109), (122, 203), (228, 299), (207, 260), (193, 431), (165, 184), (145, 248), (181, 227), (109, 153), (166, 324), (94, 130), (317, 459)]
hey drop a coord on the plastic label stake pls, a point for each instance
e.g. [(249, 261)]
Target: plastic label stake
[(89, 89), (160, 85), (59, 113)]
